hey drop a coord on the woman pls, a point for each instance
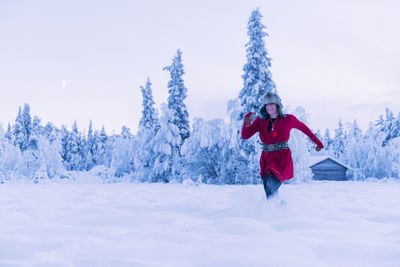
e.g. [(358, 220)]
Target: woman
[(276, 164)]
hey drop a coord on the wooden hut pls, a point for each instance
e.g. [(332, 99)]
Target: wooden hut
[(327, 168)]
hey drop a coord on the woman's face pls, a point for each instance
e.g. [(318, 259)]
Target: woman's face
[(271, 109)]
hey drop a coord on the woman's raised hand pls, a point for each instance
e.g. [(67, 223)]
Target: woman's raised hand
[(247, 119)]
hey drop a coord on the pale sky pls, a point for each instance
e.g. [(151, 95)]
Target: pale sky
[(82, 60)]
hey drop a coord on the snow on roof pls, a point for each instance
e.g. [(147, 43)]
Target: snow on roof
[(317, 159)]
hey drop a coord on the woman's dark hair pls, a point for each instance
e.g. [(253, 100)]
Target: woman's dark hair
[(264, 114)]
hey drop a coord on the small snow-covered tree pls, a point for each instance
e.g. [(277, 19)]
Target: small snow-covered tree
[(327, 141), (148, 128), (27, 121), (10, 160), (72, 153), (353, 146), (123, 151), (91, 147), (49, 158), (51, 133), (102, 155), (389, 125), (22, 129), (177, 95), (149, 118), (37, 129), (338, 143), (126, 133), (375, 163), (8, 134), (166, 149), (19, 135), (393, 147), (355, 151), (300, 146), (206, 152)]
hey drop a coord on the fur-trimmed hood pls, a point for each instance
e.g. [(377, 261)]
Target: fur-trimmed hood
[(271, 98)]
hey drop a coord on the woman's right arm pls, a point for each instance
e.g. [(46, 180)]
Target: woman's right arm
[(249, 131)]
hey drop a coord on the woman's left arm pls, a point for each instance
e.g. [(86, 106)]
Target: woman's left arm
[(304, 129)]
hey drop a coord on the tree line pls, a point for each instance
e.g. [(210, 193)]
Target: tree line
[(167, 149)]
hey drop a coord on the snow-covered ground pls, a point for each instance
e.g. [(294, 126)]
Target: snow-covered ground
[(319, 224)]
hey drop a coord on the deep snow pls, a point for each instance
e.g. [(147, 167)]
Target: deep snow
[(125, 224)]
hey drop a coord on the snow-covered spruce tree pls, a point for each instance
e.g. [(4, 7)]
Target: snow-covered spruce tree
[(102, 155), (72, 154), (177, 94), (207, 152), (20, 132), (123, 151), (148, 128), (126, 132), (355, 151), (52, 134), (166, 149), (27, 121), (49, 157), (91, 147), (393, 147), (389, 125), (149, 118), (257, 81), (37, 129), (239, 169), (36, 132), (10, 160), (301, 145), (376, 163), (327, 141), (339, 141), (257, 78), (8, 134)]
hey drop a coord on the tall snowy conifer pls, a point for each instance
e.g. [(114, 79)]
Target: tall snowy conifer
[(257, 81), (257, 78), (177, 94)]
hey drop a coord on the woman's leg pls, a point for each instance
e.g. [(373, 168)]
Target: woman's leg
[(271, 185)]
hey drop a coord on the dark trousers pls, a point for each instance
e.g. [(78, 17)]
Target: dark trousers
[(271, 185)]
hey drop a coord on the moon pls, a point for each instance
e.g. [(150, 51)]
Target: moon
[(63, 83)]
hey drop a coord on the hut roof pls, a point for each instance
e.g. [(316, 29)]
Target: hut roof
[(318, 159)]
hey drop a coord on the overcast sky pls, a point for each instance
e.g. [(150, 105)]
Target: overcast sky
[(82, 60)]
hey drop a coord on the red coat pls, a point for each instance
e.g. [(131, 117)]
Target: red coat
[(279, 162)]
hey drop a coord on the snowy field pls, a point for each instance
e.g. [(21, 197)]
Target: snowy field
[(319, 224)]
